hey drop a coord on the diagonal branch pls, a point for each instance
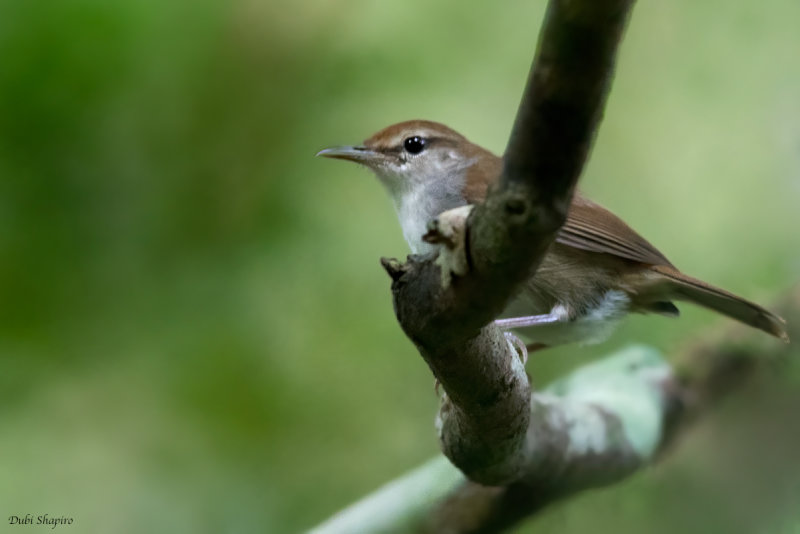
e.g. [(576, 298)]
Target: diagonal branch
[(436, 497), (591, 428), (486, 424)]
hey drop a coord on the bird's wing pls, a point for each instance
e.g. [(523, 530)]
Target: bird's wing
[(591, 227)]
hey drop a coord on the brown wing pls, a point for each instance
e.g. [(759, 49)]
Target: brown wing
[(591, 227)]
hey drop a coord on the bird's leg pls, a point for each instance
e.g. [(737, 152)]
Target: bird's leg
[(558, 314), (555, 316)]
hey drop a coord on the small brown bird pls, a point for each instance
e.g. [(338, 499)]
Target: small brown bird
[(597, 271)]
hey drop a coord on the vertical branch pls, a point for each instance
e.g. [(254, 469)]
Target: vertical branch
[(486, 424), (556, 123)]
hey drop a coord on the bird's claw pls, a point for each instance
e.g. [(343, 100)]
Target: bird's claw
[(516, 345)]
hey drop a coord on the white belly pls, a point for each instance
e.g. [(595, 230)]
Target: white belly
[(594, 326)]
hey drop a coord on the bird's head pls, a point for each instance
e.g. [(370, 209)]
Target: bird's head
[(427, 168), (416, 154)]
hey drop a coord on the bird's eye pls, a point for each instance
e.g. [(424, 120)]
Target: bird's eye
[(414, 145)]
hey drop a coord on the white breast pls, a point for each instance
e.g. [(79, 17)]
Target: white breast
[(419, 205), (414, 212)]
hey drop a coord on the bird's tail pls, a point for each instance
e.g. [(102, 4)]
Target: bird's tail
[(685, 287)]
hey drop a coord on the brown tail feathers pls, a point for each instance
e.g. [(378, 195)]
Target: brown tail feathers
[(693, 290)]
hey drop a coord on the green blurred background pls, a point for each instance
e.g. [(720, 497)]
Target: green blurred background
[(195, 332)]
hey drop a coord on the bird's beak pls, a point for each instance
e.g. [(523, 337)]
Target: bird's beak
[(359, 154)]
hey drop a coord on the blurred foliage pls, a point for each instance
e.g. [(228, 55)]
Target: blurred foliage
[(195, 332)]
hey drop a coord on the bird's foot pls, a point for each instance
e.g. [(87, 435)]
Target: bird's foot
[(517, 346)]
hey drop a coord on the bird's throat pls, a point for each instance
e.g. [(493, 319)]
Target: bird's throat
[(418, 206)]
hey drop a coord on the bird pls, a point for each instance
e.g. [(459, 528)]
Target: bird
[(596, 272)]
